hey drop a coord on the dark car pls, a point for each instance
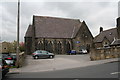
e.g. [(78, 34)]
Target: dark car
[(9, 58), (42, 54), (4, 68), (6, 56), (72, 52)]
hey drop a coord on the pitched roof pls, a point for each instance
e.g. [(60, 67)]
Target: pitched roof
[(110, 34), (29, 31), (52, 27), (115, 42)]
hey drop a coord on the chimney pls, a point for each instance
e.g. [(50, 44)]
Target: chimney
[(101, 29), (118, 27), (118, 22)]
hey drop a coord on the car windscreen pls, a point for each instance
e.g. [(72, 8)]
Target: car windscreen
[(5, 55)]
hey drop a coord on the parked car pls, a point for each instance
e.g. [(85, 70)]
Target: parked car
[(4, 68), (83, 51), (71, 52), (10, 60), (42, 54), (14, 58)]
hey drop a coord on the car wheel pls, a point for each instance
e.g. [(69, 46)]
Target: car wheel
[(36, 57), (51, 57)]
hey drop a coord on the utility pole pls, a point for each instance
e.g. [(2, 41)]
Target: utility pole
[(18, 21)]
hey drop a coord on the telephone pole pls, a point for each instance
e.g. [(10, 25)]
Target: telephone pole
[(18, 24)]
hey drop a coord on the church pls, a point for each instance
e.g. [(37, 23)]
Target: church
[(57, 35)]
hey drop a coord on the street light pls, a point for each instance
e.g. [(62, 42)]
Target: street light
[(18, 21)]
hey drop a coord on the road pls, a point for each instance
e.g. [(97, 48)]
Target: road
[(106, 70)]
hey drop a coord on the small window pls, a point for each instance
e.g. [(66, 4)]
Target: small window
[(106, 44)]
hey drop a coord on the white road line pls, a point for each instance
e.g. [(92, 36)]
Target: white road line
[(115, 73)]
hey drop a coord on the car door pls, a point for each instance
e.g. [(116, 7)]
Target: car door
[(45, 54), (39, 53)]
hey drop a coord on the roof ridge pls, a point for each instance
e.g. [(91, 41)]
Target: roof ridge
[(109, 29), (55, 17)]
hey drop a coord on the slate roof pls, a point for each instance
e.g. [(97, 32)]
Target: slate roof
[(110, 34), (115, 42), (52, 27), (29, 31)]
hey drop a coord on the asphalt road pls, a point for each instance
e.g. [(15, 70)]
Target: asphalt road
[(107, 70)]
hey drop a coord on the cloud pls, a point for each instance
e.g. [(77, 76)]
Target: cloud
[(119, 8), (95, 14)]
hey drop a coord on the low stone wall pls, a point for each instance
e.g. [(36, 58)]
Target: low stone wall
[(21, 59), (105, 53)]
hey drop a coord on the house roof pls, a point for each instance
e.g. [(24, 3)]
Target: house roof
[(115, 42), (52, 27), (29, 31), (110, 34)]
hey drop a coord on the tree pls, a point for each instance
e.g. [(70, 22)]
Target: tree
[(22, 47)]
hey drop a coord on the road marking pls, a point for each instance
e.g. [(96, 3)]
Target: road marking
[(115, 73)]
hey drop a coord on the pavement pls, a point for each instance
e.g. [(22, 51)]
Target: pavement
[(60, 62)]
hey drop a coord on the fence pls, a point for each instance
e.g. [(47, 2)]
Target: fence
[(105, 53)]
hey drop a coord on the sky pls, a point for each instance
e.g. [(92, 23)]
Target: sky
[(96, 14)]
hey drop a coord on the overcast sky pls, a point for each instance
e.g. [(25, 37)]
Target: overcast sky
[(96, 14)]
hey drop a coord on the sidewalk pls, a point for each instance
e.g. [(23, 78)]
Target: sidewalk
[(58, 63)]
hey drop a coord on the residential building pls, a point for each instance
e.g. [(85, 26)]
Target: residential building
[(107, 43)]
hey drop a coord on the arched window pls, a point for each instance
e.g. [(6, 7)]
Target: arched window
[(40, 45)]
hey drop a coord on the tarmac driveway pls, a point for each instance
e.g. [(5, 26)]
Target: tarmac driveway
[(60, 62)]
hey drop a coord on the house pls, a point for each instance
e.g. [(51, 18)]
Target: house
[(57, 35), (106, 37), (6, 47), (107, 43)]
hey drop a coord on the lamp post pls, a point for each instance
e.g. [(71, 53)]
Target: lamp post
[(18, 21)]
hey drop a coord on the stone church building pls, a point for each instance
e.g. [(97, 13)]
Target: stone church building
[(57, 35)]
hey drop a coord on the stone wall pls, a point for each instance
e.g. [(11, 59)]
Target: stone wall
[(105, 53), (21, 61), (28, 45)]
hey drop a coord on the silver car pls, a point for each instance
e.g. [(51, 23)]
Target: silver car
[(42, 54)]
